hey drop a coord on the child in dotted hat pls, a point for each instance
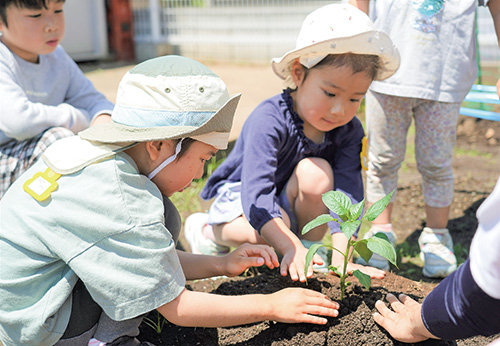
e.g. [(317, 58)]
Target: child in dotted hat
[(298, 145), (87, 236)]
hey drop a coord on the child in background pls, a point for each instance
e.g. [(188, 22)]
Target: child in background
[(298, 145), (45, 96), (86, 223), (437, 41)]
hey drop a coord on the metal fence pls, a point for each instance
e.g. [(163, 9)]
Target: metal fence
[(240, 30)]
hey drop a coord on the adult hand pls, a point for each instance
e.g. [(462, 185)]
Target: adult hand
[(299, 305), (404, 323), (248, 255)]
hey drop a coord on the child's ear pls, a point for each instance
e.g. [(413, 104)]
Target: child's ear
[(153, 148), (297, 72)]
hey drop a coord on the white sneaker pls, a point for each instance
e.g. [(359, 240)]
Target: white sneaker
[(322, 252), (376, 260), (193, 230), (436, 250)]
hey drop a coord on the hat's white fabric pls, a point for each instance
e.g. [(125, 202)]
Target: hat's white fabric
[(339, 29), (169, 97)]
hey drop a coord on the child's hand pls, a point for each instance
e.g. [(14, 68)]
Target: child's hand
[(294, 262), (374, 273), (299, 305), (248, 255)]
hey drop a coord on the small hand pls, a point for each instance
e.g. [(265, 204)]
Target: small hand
[(248, 255), (405, 322), (374, 273), (299, 305), (294, 262)]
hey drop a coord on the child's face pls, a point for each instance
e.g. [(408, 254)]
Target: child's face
[(179, 174), (328, 97), (31, 32)]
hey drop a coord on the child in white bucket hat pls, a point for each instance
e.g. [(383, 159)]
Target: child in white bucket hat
[(298, 145), (93, 243)]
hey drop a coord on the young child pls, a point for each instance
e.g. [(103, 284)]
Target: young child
[(437, 41), (45, 96), (298, 145), (86, 224)]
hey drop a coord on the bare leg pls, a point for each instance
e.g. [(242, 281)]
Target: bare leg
[(437, 217), (311, 179), (239, 231)]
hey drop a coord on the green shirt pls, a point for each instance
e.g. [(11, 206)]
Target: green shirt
[(104, 225)]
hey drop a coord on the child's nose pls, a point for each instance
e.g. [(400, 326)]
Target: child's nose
[(200, 171), (51, 24), (337, 108)]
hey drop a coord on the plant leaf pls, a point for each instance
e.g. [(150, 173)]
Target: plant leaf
[(320, 220), (310, 254), (364, 279), (378, 207), (380, 244), (357, 209), (349, 228), (339, 203), (362, 249)]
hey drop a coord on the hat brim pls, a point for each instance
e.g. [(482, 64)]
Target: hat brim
[(221, 121), (374, 42)]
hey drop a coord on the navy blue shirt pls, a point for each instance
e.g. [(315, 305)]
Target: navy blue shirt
[(271, 144)]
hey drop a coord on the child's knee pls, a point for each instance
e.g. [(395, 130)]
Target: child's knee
[(314, 175)]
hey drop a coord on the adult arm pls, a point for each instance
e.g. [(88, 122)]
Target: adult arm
[(464, 304), (291, 305)]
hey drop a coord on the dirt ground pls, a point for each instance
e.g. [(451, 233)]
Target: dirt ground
[(476, 167)]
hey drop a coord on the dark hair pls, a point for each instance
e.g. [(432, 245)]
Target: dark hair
[(186, 143), (31, 4), (370, 64)]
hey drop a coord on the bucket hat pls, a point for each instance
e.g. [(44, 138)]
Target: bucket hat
[(339, 29), (169, 97)]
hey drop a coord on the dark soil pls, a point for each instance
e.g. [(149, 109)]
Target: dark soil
[(475, 177)]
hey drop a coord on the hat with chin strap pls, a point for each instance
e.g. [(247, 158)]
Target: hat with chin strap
[(169, 97)]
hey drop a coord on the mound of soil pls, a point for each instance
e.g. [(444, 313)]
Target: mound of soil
[(475, 177)]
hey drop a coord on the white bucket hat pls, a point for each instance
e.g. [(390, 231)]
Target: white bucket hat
[(169, 97), (339, 29)]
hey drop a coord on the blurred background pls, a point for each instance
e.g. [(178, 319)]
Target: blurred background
[(221, 30)]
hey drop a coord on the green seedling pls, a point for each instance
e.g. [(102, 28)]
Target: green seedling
[(349, 222), (157, 325)]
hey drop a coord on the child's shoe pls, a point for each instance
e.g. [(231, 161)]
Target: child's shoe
[(436, 250), (193, 230), (322, 252), (376, 260)]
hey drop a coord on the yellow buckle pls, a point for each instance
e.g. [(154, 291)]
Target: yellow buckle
[(364, 154), (42, 184)]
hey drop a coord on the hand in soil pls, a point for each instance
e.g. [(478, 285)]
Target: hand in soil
[(299, 305), (294, 262), (248, 255), (405, 322), (374, 273)]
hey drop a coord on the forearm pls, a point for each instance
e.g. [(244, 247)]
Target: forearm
[(458, 308), (278, 235), (200, 266), (199, 309)]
